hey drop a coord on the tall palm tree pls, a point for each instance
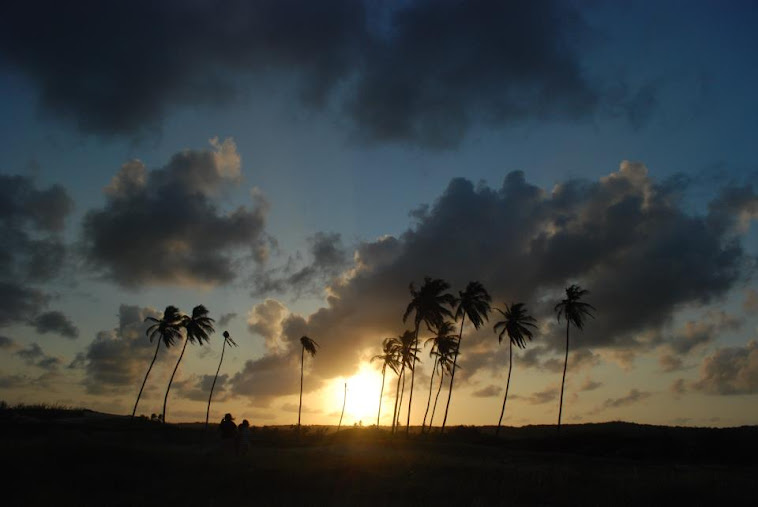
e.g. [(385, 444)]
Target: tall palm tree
[(430, 303), (408, 357), (167, 331), (474, 303), (516, 323), (444, 355), (227, 341), (197, 328), (574, 311), (344, 402), (444, 332), (311, 347), (389, 357)]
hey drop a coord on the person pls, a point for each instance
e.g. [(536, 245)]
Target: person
[(228, 431), (243, 438)]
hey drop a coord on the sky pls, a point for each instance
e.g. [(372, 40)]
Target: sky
[(294, 166)]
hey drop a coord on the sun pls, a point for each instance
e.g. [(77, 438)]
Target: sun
[(362, 396)]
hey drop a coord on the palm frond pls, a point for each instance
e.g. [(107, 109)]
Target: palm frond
[(474, 303), (309, 345), (572, 308)]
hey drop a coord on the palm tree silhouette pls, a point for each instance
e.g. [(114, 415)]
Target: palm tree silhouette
[(444, 332), (167, 331), (473, 302), (430, 304), (444, 344), (389, 357), (227, 341), (198, 328), (408, 357), (574, 311), (515, 324), (311, 347)]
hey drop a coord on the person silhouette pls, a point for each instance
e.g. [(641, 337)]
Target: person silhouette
[(243, 438), (228, 430)]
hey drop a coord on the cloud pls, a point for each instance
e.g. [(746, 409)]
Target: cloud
[(589, 385), (292, 407), (625, 237), (33, 355), (55, 322), (634, 396), (225, 319), (678, 387), (420, 72), (730, 370), (117, 360), (750, 304), (487, 392), (7, 343), (545, 396), (198, 387), (670, 363), (164, 226), (698, 333)]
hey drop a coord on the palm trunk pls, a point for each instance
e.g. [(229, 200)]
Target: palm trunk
[(344, 401), (397, 396), (563, 382), (208, 412), (381, 393), (452, 375), (429, 401), (400, 405), (171, 380), (437, 397), (145, 380), (413, 376), (300, 407), (507, 385)]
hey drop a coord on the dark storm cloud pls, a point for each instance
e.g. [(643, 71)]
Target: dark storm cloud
[(55, 322), (164, 226), (33, 355), (730, 370), (421, 71), (19, 303), (625, 237), (116, 360)]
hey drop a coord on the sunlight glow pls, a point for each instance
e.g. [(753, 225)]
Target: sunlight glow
[(362, 396)]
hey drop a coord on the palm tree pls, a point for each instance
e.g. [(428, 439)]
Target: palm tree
[(408, 356), (473, 302), (227, 341), (311, 347), (444, 332), (344, 402), (430, 304), (388, 357), (167, 330), (444, 355), (198, 328), (574, 311), (516, 323)]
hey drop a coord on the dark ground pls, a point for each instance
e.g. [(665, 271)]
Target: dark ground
[(79, 457)]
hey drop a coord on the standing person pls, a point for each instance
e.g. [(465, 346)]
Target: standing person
[(243, 438), (228, 432)]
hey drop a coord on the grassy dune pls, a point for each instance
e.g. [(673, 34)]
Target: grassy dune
[(79, 457)]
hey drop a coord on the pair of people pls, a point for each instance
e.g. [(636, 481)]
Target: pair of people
[(238, 438)]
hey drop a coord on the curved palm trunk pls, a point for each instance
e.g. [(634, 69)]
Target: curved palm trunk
[(344, 401), (563, 382), (434, 408), (413, 376), (400, 405), (300, 407), (452, 374), (171, 380), (429, 400), (397, 397), (381, 393), (507, 385), (145, 380), (208, 412)]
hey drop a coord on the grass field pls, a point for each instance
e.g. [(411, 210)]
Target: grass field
[(60, 456)]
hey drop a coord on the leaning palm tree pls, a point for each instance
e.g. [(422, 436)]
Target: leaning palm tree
[(444, 332), (388, 357), (227, 341), (311, 347), (166, 330), (574, 311), (444, 354), (408, 357), (197, 328), (473, 302), (516, 323), (430, 303)]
